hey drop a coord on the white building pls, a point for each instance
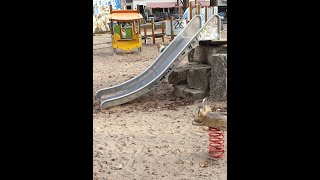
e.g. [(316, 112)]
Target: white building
[(165, 8), (169, 6), (164, 3)]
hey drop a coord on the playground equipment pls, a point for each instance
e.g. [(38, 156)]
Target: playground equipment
[(217, 123), (153, 34), (173, 26), (164, 25), (194, 8), (181, 45), (132, 37)]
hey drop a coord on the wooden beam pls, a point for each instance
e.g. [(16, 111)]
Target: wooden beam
[(152, 29), (206, 14), (190, 10), (196, 5), (111, 21), (120, 27), (145, 32), (139, 26), (162, 31), (171, 28), (111, 26), (134, 26)]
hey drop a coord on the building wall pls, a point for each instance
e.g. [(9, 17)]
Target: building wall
[(144, 2), (99, 6), (101, 9)]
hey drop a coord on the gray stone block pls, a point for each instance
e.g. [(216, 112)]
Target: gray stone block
[(187, 93), (198, 77), (219, 49), (195, 94), (206, 74), (179, 91), (216, 58), (201, 54), (179, 75), (197, 54), (218, 79)]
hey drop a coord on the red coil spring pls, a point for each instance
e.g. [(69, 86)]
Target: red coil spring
[(216, 143)]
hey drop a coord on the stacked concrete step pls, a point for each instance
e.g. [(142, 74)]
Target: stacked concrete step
[(204, 76)]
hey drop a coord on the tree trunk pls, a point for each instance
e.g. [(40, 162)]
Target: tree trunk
[(213, 2)]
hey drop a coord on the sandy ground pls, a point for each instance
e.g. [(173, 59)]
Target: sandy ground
[(152, 136)]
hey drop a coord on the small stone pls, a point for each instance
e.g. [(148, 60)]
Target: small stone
[(204, 164), (118, 167)]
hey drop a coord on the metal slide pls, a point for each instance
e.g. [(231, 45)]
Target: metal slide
[(181, 45)]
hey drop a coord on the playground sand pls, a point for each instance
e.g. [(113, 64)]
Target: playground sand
[(152, 136)]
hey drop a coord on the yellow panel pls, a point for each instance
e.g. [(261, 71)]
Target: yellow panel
[(136, 42)]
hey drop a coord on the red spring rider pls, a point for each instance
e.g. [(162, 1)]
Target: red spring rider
[(217, 123)]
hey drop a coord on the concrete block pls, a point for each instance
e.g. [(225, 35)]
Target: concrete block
[(202, 53), (196, 54), (217, 58), (218, 79), (179, 75), (179, 91), (195, 94), (198, 77)]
